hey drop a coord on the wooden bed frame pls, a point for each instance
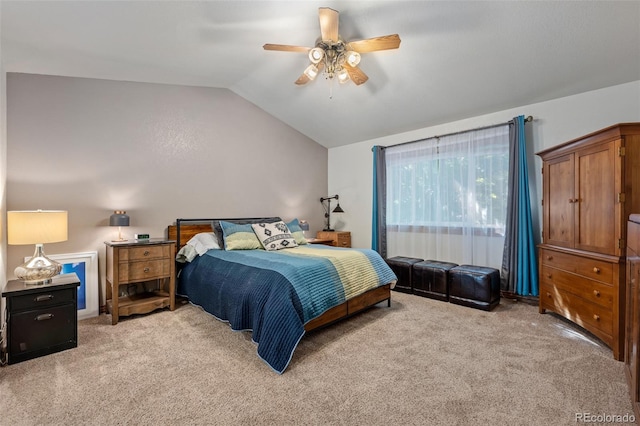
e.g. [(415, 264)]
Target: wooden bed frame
[(182, 233)]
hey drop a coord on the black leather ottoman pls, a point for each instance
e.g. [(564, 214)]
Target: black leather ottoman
[(474, 286), (431, 279), (402, 267)]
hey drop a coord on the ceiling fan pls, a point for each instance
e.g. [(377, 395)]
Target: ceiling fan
[(337, 57)]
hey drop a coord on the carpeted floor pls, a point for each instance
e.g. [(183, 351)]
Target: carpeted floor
[(420, 362)]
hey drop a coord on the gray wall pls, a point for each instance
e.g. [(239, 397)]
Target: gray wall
[(160, 152), (555, 122)]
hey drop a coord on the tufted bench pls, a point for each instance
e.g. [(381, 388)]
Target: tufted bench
[(474, 286), (402, 267), (431, 279)]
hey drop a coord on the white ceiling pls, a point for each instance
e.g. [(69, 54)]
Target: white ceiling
[(457, 59)]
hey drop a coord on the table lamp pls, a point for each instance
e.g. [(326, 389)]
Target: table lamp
[(304, 225), (119, 218), (37, 227), (327, 210)]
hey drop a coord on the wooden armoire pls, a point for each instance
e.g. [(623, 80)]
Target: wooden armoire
[(590, 187), (632, 347)]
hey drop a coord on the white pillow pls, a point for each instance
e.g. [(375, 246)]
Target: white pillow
[(186, 254), (274, 236), (204, 241)]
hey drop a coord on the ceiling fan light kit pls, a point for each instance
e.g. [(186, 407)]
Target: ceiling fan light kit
[(332, 55)]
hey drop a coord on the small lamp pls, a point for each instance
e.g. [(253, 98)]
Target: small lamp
[(327, 210), (37, 227), (119, 218), (304, 225)]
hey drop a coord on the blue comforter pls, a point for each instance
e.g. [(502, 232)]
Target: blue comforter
[(275, 294)]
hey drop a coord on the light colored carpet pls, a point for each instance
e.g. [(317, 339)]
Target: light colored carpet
[(420, 362)]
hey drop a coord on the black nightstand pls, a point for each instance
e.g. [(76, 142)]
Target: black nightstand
[(41, 319)]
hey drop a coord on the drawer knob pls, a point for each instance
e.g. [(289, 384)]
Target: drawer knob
[(44, 317), (596, 269), (549, 276), (146, 270), (549, 257), (596, 293), (548, 294), (146, 253), (43, 298), (596, 317)]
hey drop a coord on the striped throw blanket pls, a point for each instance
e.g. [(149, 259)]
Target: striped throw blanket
[(275, 293)]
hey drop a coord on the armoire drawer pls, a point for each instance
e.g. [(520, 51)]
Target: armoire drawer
[(590, 268), (589, 315), (591, 290)]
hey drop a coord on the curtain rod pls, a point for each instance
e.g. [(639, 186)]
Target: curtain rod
[(528, 119)]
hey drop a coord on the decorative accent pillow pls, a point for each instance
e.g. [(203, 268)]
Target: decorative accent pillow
[(239, 237), (296, 232), (274, 236)]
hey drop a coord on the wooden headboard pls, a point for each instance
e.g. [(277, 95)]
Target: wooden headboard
[(187, 232), (185, 229)]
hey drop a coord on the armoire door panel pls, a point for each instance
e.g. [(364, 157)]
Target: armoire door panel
[(559, 201), (596, 199)]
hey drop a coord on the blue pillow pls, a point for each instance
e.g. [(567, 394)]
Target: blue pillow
[(239, 237), (296, 232)]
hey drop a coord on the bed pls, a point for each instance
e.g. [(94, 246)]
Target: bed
[(277, 294)]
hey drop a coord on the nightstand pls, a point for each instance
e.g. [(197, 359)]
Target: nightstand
[(337, 238), (325, 241), (41, 318), (140, 261)]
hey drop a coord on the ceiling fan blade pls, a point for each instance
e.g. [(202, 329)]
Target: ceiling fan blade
[(328, 23), (286, 48), (391, 41), (356, 75), (303, 79)]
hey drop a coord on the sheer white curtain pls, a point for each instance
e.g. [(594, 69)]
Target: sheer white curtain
[(447, 197)]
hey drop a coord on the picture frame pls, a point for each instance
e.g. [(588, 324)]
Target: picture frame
[(85, 265)]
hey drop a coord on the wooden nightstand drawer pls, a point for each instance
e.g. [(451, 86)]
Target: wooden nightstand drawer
[(344, 239), (143, 253), (143, 271), (338, 238)]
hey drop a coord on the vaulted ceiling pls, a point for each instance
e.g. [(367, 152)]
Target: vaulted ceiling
[(457, 59)]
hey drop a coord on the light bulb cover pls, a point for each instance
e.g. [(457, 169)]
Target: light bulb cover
[(311, 71), (353, 58), (343, 76), (316, 54)]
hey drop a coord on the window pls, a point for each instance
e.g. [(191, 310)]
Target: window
[(453, 185)]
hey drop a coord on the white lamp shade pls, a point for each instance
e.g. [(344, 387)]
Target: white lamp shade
[(36, 226)]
